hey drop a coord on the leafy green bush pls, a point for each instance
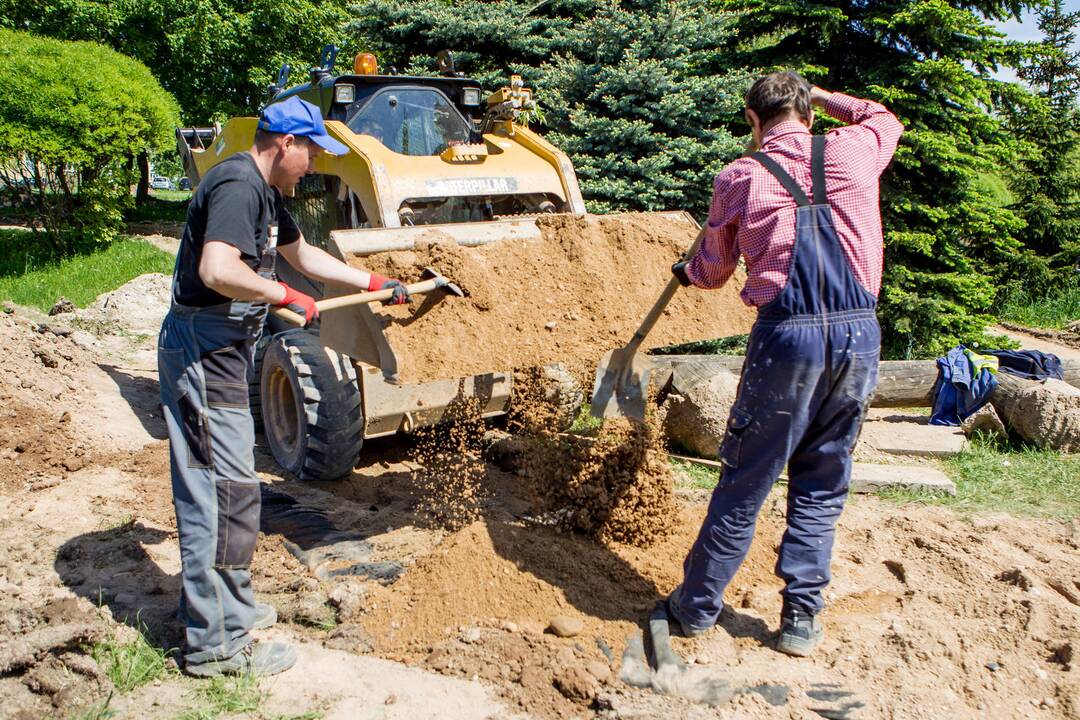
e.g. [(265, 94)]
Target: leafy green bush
[(73, 115)]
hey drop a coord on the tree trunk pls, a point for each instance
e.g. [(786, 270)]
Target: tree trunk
[(901, 383), (1047, 415), (142, 191)]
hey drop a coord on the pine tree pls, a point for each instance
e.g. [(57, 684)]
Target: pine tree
[(637, 93), (1047, 183), (929, 61)]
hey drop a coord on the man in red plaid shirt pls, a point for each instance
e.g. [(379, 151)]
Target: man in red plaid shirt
[(803, 212)]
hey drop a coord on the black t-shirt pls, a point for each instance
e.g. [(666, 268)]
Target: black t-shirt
[(233, 204)]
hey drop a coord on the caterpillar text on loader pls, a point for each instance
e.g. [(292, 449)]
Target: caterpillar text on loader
[(424, 153)]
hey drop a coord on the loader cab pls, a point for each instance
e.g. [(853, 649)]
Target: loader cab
[(410, 115)]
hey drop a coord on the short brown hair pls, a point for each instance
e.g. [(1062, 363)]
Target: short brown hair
[(777, 94), (264, 137)]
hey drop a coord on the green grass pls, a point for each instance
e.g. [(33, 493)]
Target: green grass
[(163, 205), (224, 695), (693, 475), (585, 423), (97, 711), (994, 475), (130, 665), (30, 274), (734, 345), (1052, 313), (171, 195), (996, 188)]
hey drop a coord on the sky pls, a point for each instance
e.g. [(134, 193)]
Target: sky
[(1026, 29)]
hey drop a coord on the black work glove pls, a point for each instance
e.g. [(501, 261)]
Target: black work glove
[(679, 271), (401, 293)]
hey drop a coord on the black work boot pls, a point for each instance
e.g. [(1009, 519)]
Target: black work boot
[(800, 631)]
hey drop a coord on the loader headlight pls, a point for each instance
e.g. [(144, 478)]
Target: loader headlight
[(344, 93), (470, 96)]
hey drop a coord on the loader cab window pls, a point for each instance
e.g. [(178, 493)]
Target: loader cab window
[(411, 121)]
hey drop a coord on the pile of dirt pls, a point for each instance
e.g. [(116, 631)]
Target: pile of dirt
[(537, 674), (43, 672), (38, 448), (575, 294), (137, 306)]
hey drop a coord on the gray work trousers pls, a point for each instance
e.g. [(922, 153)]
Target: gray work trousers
[(204, 361)]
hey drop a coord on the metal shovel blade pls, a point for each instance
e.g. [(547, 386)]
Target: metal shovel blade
[(622, 384)]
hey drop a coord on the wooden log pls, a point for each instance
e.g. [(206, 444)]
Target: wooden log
[(901, 383), (1047, 414)]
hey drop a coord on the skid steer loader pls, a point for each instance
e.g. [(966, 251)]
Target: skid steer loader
[(424, 151)]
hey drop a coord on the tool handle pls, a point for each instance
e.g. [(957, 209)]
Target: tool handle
[(662, 302), (333, 303)]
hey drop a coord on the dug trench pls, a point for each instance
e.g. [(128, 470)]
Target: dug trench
[(930, 614)]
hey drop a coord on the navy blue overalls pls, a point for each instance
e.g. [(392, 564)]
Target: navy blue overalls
[(810, 367)]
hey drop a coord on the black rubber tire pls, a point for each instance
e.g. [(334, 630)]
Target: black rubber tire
[(255, 382), (312, 416)]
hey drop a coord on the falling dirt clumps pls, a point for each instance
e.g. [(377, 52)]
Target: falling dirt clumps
[(449, 480), (616, 484), (575, 293)]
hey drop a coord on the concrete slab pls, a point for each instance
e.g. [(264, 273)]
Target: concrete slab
[(868, 477), (896, 433)]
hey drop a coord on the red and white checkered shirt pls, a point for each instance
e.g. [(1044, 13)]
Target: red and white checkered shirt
[(754, 216)]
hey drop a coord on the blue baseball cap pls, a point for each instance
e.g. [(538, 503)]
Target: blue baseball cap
[(294, 116)]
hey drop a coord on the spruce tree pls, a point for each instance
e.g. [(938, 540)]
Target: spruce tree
[(637, 93), (1047, 182), (947, 243)]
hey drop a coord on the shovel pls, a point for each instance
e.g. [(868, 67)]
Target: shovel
[(433, 281), (622, 377)]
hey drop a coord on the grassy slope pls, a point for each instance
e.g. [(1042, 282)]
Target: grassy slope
[(1051, 313), (30, 275)]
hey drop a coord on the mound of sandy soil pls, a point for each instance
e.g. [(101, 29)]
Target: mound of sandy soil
[(138, 306), (580, 291)]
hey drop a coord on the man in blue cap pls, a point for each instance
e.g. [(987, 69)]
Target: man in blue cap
[(223, 283)]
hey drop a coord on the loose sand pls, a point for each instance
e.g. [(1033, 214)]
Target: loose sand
[(580, 291)]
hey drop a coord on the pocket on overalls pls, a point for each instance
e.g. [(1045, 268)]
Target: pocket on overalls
[(859, 387), (237, 523), (226, 372), (731, 447), (196, 428)]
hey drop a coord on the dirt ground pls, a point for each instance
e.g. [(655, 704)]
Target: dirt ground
[(929, 614)]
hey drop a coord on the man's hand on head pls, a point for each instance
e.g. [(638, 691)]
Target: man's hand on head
[(819, 97)]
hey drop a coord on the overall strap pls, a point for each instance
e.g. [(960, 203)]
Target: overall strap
[(817, 173), (786, 180), (817, 169)]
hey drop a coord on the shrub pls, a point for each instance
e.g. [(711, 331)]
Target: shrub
[(73, 115)]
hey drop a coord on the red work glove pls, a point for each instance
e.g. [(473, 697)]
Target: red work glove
[(401, 293), (300, 304)]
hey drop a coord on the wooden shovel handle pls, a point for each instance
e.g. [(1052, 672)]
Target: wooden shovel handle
[(357, 299), (662, 302)]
